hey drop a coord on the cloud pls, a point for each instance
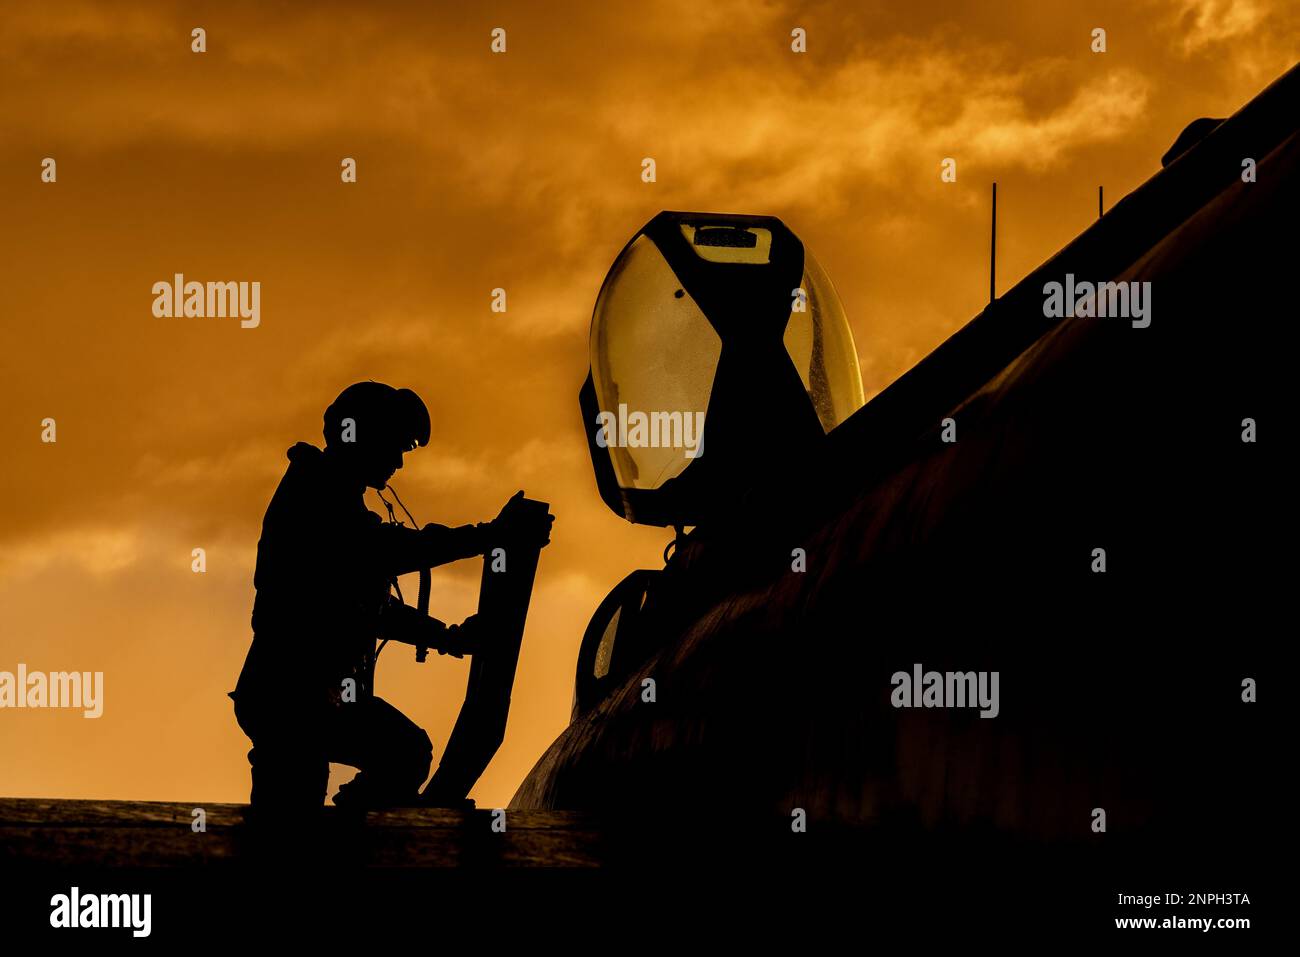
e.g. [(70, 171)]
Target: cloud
[(100, 552), (1205, 23)]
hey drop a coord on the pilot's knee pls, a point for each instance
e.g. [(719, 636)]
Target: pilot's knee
[(417, 753), (424, 748)]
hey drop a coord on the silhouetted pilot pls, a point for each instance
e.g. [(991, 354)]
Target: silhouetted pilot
[(324, 567)]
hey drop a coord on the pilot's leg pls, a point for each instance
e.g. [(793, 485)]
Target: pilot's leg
[(289, 761), (391, 751)]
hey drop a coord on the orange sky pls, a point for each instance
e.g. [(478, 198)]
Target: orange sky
[(476, 171)]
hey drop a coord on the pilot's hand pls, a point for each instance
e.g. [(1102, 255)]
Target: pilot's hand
[(461, 639), (523, 525)]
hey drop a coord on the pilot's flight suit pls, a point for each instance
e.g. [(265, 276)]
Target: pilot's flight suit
[(324, 563)]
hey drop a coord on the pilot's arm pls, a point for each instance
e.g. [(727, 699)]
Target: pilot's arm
[(398, 550)]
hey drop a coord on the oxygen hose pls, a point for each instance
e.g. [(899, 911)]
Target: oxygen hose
[(426, 574)]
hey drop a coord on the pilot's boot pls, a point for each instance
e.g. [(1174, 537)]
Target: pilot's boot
[(392, 752), (394, 756), (365, 793)]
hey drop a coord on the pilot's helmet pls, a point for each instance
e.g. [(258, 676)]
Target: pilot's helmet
[(720, 353), (384, 416)]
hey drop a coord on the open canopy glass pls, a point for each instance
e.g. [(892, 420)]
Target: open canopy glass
[(719, 351)]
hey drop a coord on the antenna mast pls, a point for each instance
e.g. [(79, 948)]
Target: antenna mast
[(993, 245)]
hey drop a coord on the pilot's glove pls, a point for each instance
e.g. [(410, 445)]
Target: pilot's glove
[(451, 643), (461, 640), (520, 524)]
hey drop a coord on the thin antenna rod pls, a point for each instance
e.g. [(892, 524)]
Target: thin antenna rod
[(993, 245), (1100, 209)]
